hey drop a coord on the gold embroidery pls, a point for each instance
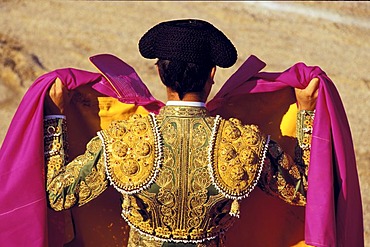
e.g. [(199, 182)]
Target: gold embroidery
[(237, 158), (133, 153), (80, 181), (182, 205), (170, 133), (138, 240), (58, 205), (55, 146), (181, 111), (179, 206), (295, 172), (287, 178), (70, 201), (304, 128), (95, 183)]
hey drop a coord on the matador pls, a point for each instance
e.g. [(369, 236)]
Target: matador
[(182, 172), (273, 149)]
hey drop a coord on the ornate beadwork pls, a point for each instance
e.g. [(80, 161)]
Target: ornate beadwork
[(236, 157), (182, 205), (305, 121), (137, 239), (304, 128), (182, 111), (55, 145), (133, 153)]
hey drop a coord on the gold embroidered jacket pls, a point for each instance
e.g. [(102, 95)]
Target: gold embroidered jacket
[(181, 173)]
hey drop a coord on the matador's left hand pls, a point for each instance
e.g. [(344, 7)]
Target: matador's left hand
[(307, 97), (57, 98)]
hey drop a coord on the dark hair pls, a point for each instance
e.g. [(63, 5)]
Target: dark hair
[(183, 77)]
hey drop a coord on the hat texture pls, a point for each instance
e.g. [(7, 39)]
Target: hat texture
[(192, 41)]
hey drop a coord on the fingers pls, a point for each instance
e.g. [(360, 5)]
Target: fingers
[(311, 90), (56, 98), (313, 87), (306, 98), (56, 90)]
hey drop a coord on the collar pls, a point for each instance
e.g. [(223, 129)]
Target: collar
[(185, 103)]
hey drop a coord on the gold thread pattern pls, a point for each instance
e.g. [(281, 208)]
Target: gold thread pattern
[(136, 239), (175, 208), (79, 181), (284, 177), (237, 158), (133, 152), (55, 146), (183, 204)]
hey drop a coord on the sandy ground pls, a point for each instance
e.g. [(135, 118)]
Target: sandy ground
[(39, 36)]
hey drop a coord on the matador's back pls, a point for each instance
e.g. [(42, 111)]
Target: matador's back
[(181, 173)]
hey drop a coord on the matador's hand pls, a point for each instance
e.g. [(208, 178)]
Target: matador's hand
[(56, 99), (307, 97)]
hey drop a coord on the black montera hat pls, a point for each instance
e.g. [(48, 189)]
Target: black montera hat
[(192, 41)]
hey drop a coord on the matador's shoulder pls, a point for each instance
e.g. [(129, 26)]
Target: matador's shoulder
[(132, 150), (237, 153)]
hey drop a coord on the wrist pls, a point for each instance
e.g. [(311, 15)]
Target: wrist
[(54, 116), (305, 120), (307, 106), (55, 136)]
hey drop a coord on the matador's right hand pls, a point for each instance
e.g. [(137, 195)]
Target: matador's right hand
[(307, 97), (57, 98)]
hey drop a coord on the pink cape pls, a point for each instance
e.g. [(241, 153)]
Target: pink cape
[(23, 207), (333, 211)]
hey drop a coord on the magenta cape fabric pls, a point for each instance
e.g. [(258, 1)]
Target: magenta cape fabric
[(23, 207), (334, 209)]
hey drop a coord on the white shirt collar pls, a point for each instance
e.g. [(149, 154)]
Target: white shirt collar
[(185, 103)]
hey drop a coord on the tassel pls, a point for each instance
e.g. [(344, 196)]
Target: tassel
[(126, 204), (235, 209)]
